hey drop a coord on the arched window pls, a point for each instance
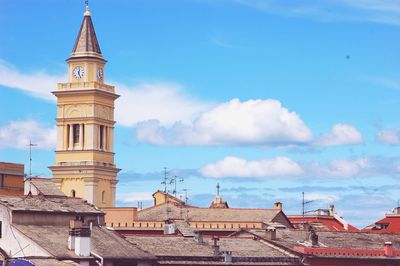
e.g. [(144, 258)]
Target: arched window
[(73, 193), (103, 196)]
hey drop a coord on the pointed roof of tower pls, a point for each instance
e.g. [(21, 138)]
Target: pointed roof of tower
[(86, 43)]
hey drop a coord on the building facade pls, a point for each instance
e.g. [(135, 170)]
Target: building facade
[(11, 178), (84, 165)]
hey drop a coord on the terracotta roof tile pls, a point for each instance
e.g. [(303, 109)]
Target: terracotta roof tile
[(43, 204), (170, 211), (104, 242)]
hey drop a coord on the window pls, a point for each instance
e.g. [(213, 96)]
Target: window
[(76, 133), (73, 193), (103, 196), (1, 180), (102, 137)]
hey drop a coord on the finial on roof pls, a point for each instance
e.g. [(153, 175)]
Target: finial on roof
[(87, 12), (218, 189)]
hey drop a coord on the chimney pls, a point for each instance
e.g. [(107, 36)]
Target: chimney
[(270, 233), (331, 210), (169, 228), (198, 237), (73, 225), (82, 241), (278, 205), (313, 237), (388, 249), (227, 256), (215, 247), (396, 210)]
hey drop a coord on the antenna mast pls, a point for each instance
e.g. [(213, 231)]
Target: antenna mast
[(30, 157), (174, 180), (304, 203)]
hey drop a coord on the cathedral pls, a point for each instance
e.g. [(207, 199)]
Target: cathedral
[(84, 165)]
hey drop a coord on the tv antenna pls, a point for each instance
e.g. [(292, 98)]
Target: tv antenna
[(186, 195), (304, 203), (174, 180), (30, 157), (165, 181)]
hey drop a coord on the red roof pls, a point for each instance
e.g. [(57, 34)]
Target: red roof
[(327, 223), (392, 222)]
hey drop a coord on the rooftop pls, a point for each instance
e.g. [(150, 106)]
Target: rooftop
[(170, 211), (104, 242), (46, 186), (44, 204), (181, 248)]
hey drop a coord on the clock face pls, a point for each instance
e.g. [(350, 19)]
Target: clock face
[(100, 74), (78, 72)]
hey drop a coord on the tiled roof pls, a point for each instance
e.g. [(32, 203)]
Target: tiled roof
[(338, 239), (170, 211), (184, 228), (86, 43), (180, 246), (43, 204), (104, 242), (46, 187), (392, 222), (320, 223)]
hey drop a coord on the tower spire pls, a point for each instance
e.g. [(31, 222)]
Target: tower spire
[(86, 44)]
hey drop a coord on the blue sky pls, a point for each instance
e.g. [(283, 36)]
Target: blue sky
[(268, 98)]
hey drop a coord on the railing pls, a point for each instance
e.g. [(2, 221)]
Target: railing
[(85, 163), (80, 85)]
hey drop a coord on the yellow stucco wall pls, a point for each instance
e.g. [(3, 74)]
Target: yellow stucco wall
[(120, 216), (86, 167)]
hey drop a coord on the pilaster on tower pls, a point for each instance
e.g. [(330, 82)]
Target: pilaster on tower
[(84, 165)]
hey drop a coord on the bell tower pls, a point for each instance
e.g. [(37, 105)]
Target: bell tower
[(84, 165)]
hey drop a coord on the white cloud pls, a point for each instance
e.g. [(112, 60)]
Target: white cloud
[(379, 11), (263, 122), (237, 167), (314, 196), (39, 84), (343, 168), (165, 102), (340, 134), (17, 134), (135, 196), (163, 114), (389, 136), (234, 167)]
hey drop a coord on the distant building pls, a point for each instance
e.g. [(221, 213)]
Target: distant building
[(210, 221), (11, 178), (161, 197), (322, 220), (389, 224)]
